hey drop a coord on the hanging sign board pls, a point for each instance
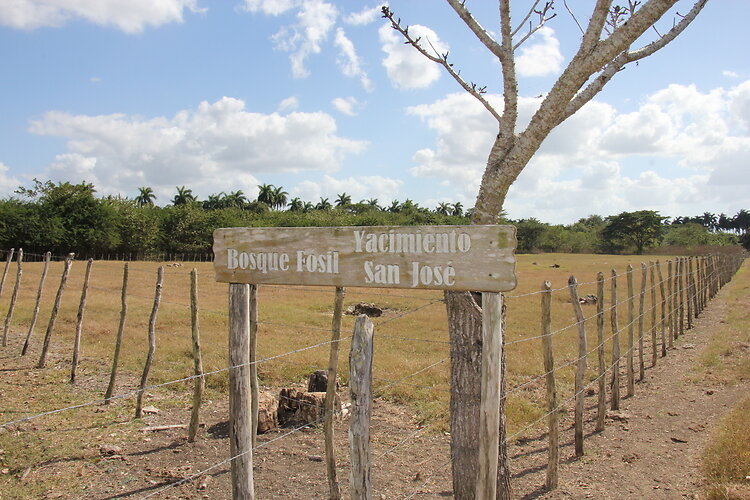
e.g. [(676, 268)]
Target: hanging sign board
[(479, 258)]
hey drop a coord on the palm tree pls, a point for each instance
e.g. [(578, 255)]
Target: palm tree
[(214, 201), (324, 204), (458, 209), (278, 198), (296, 205), (145, 196), (308, 207), (235, 199), (184, 196), (395, 207), (373, 202), (343, 200), (265, 194), (443, 208)]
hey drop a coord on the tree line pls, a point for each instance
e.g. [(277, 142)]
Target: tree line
[(64, 217)]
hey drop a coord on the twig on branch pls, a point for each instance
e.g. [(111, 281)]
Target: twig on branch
[(441, 59), (543, 18)]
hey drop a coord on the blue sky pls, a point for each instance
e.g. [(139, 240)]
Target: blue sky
[(321, 97)]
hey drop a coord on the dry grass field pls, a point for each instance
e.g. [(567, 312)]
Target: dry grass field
[(411, 366)]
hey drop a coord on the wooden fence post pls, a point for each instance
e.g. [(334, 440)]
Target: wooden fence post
[(580, 397), (654, 307), (13, 297), (35, 314), (334, 490), (641, 320), (254, 389), (670, 309), (690, 291), (553, 418), (118, 340), (79, 323), (240, 393), (631, 333), (676, 301), (615, 401), (55, 308), (8, 260), (601, 406), (151, 342), (682, 295), (360, 390), (663, 311), (199, 382)]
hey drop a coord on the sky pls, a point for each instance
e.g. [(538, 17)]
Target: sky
[(322, 97)]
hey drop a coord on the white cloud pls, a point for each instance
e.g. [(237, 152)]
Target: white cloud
[(8, 184), (598, 161), (542, 57), (365, 16), (289, 104), (130, 16), (348, 60), (730, 74), (216, 147), (359, 188), (270, 7), (345, 105), (315, 19), (407, 68)]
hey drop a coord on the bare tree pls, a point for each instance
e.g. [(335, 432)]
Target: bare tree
[(607, 45)]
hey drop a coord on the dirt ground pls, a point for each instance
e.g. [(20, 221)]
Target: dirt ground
[(651, 450)]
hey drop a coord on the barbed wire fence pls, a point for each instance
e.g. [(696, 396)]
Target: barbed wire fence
[(693, 283)]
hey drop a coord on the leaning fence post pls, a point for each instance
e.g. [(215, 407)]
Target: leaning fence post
[(334, 490), (631, 334), (652, 265), (254, 389), (151, 342), (553, 458), (663, 311), (360, 390), (8, 260), (670, 306), (690, 292), (79, 323), (55, 308), (118, 340), (240, 393), (35, 314), (641, 319), (199, 382), (682, 295), (601, 406), (615, 401), (580, 397), (676, 301), (13, 297)]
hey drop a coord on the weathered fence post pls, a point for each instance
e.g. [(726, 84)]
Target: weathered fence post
[(38, 303), (199, 382), (641, 320), (79, 323), (601, 406), (676, 301), (670, 306), (654, 307), (663, 311), (615, 401), (682, 295), (553, 418), (631, 334), (580, 397), (55, 308), (240, 393), (118, 340), (254, 389), (334, 490), (360, 390), (151, 342), (13, 297), (8, 260), (690, 292)]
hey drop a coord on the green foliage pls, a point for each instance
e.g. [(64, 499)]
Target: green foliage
[(638, 230)]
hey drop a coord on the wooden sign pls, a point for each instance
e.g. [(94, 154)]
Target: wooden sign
[(476, 258)]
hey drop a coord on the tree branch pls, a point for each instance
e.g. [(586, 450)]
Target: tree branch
[(441, 59), (528, 15), (510, 83), (475, 27), (542, 21), (596, 24)]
